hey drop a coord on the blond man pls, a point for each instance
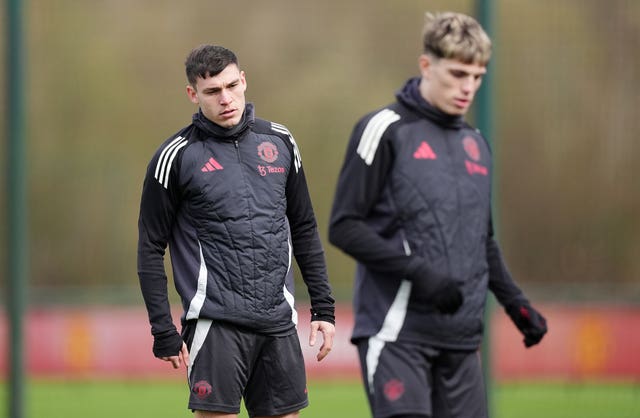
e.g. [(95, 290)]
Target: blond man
[(413, 208)]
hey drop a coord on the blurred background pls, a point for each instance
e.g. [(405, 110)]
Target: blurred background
[(105, 86)]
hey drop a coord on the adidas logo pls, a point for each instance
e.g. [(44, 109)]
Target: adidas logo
[(424, 152), (211, 165)]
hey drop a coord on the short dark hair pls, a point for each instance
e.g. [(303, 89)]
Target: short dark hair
[(207, 61)]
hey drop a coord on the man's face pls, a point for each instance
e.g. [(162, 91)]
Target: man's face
[(448, 84), (221, 97)]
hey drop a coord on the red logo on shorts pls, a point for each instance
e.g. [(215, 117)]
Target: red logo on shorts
[(202, 389), (393, 389)]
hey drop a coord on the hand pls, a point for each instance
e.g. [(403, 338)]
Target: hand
[(328, 330), (433, 288), (182, 357), (448, 298), (529, 321)]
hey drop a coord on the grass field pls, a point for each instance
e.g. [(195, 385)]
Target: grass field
[(335, 399)]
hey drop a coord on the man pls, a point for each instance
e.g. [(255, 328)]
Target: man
[(412, 207), (228, 195)]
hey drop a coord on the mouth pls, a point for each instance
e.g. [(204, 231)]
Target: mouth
[(228, 113), (461, 103)]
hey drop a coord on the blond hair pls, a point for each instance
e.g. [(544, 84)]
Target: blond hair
[(455, 36)]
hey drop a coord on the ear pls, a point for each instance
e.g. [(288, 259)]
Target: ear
[(425, 62), (192, 94), (243, 80)]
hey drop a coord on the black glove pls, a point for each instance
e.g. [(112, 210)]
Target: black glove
[(529, 321), (167, 344), (438, 290), (448, 297)]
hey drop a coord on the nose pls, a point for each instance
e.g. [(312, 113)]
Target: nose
[(468, 84), (225, 97)]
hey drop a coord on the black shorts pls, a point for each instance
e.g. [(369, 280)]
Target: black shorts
[(405, 378), (229, 363)]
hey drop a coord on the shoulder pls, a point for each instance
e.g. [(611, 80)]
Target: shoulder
[(167, 156), (177, 141), (265, 127), (384, 116), (373, 129), (279, 132), (379, 122), (478, 134)]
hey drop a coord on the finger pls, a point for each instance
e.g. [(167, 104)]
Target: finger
[(324, 351), (327, 345), (176, 360), (185, 355), (313, 334)]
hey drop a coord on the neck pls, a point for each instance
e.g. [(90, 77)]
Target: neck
[(423, 87)]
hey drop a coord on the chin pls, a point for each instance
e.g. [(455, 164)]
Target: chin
[(228, 123), (459, 112)]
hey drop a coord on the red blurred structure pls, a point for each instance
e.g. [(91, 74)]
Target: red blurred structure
[(583, 343)]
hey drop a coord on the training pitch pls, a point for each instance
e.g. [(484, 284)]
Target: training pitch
[(339, 399)]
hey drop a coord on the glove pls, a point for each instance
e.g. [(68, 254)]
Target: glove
[(438, 290), (529, 321), (167, 344), (447, 298)]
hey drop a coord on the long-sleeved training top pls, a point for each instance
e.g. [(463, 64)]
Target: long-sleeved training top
[(233, 207), (413, 201)]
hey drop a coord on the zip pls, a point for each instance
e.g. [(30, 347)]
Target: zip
[(235, 143), (245, 182), (448, 140)]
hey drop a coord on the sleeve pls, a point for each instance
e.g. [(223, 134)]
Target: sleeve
[(368, 160), (307, 247), (158, 205), (501, 283)]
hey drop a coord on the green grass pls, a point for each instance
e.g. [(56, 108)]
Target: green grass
[(567, 400), (334, 399)]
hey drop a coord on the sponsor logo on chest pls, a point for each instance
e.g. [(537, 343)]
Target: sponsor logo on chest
[(470, 146)]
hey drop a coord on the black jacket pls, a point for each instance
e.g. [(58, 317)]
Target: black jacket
[(234, 209), (413, 202)]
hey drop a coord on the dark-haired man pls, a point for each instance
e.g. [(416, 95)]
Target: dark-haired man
[(227, 194)]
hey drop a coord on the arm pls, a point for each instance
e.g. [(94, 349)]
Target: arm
[(501, 284), (309, 254), (359, 187), (527, 319), (368, 160), (157, 211)]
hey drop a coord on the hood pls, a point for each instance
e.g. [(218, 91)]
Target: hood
[(409, 95)]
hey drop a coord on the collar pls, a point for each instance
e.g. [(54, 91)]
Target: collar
[(229, 134), (410, 96)]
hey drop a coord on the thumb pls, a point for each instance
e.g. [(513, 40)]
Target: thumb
[(175, 361), (185, 354)]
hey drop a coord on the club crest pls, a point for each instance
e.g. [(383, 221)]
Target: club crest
[(268, 152)]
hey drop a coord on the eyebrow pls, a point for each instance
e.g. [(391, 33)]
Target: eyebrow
[(216, 89), (460, 70)]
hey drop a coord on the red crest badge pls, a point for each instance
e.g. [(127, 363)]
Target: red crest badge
[(268, 152), (393, 389), (471, 147), (202, 389)]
